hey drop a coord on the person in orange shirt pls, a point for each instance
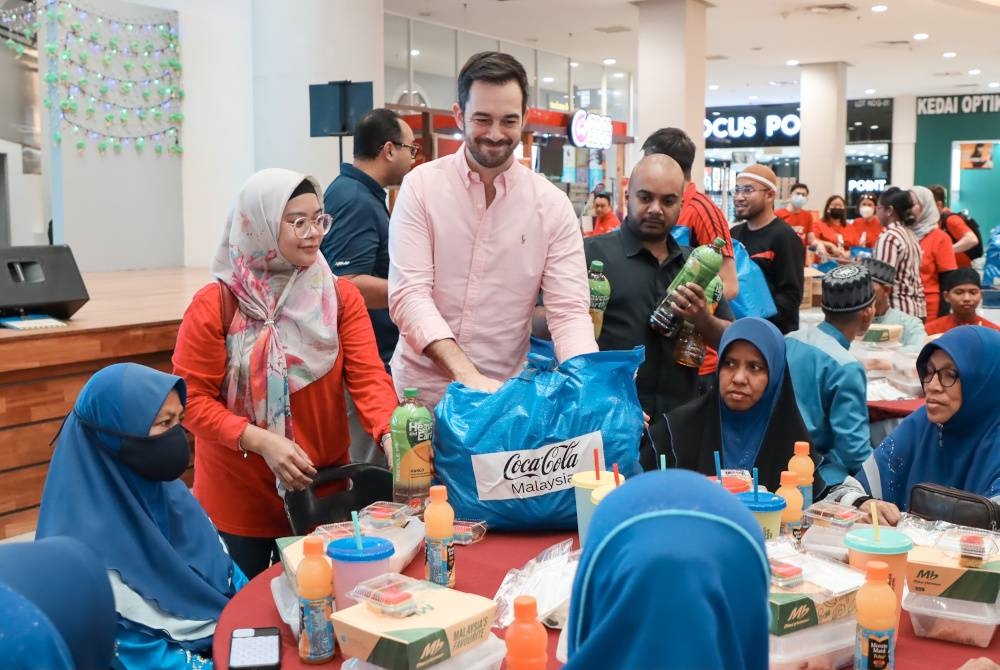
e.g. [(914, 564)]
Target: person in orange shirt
[(276, 337), (604, 217), (867, 227), (795, 214), (937, 257), (831, 236), (964, 295), (962, 236)]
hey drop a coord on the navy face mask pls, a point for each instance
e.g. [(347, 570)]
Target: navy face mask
[(159, 458)]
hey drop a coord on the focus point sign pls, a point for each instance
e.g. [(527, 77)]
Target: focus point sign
[(593, 131)]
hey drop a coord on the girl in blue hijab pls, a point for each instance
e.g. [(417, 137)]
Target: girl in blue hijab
[(673, 577), (750, 416), (954, 439), (114, 485)]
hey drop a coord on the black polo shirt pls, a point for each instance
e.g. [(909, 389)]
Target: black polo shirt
[(638, 283)]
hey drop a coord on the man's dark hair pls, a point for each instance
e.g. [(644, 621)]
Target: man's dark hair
[(606, 196), (374, 129), (494, 68), (901, 202), (940, 193), (842, 319), (672, 142), (799, 184)]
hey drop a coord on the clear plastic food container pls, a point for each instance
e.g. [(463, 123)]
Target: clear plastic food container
[(391, 594), (824, 647), (383, 515), (953, 620)]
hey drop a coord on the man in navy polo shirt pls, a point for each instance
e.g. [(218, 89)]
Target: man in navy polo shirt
[(357, 247)]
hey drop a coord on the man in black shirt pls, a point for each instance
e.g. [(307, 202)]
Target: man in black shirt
[(640, 260), (771, 242)]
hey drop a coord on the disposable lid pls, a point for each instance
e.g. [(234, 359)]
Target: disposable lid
[(372, 549), (439, 493), (765, 502), (877, 571), (789, 478), (596, 266), (525, 608), (586, 479), (411, 392), (890, 541), (599, 493), (733, 484), (313, 546), (801, 448)]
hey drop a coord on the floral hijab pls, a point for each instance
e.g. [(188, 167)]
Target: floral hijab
[(283, 337)]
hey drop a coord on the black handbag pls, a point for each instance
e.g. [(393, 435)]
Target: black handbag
[(943, 503)]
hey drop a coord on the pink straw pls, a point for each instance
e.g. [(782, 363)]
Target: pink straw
[(597, 465)]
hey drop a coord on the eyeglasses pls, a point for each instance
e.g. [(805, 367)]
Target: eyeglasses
[(747, 190), (414, 148), (947, 376), (303, 226)]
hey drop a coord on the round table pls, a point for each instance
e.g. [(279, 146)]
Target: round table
[(480, 569), (880, 410)]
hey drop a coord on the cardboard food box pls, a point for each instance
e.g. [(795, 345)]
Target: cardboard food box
[(883, 332), (447, 623), (812, 287), (824, 593), (938, 571)]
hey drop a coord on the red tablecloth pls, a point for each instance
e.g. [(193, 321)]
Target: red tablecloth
[(880, 410), (480, 569)]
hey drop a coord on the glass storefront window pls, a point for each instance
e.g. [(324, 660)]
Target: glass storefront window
[(397, 80), (553, 82), (587, 79), (526, 57), (618, 84), (432, 52), (472, 43)]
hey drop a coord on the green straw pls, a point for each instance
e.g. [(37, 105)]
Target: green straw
[(357, 531), (718, 468), (663, 461), (754, 484)]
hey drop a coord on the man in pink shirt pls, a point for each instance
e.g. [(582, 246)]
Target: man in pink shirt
[(473, 238)]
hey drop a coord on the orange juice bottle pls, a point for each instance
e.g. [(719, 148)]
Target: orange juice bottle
[(314, 579), (439, 520), (804, 467), (875, 641), (791, 516), (527, 640)]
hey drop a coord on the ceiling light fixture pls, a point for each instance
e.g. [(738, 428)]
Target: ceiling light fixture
[(414, 52), (994, 84), (548, 80), (878, 9), (713, 87), (920, 37), (791, 62), (974, 71), (949, 54), (753, 97), (858, 123), (609, 61), (875, 127), (618, 75), (869, 91), (573, 63)]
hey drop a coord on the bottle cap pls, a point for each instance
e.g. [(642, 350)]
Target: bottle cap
[(596, 266), (877, 571), (411, 392), (439, 493), (525, 608), (789, 478), (801, 448), (719, 242), (313, 546)]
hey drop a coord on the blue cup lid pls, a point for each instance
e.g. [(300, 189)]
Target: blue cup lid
[(372, 549), (765, 502), (889, 541)]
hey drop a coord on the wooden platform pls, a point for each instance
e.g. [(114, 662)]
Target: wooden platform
[(132, 316)]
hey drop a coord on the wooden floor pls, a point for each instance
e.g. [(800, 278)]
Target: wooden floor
[(131, 316)]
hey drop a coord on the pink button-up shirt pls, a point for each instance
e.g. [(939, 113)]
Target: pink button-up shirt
[(459, 269)]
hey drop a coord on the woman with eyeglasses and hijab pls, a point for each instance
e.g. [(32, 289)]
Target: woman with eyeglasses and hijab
[(114, 485), (953, 440), (673, 576), (267, 375)]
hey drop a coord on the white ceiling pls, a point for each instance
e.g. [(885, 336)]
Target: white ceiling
[(757, 37)]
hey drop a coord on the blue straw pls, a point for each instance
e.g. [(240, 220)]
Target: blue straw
[(663, 461), (754, 484), (718, 467), (357, 531)]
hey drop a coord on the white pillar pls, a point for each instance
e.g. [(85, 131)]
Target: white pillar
[(824, 128), (904, 140), (671, 73), (309, 42)]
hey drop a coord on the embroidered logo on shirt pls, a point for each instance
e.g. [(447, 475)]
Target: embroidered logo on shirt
[(339, 264)]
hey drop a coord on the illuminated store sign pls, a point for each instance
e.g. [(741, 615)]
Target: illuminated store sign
[(593, 131)]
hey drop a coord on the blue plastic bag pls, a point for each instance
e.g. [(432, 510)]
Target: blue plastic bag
[(507, 457), (681, 235), (754, 298), (991, 267)]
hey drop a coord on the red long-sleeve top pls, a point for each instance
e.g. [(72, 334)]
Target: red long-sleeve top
[(239, 493)]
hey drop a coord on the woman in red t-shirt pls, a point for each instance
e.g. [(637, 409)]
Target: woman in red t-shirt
[(867, 227), (937, 255), (831, 236), (266, 390)]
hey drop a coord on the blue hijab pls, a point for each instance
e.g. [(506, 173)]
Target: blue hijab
[(154, 535), (964, 452), (743, 432), (674, 575), (58, 611)]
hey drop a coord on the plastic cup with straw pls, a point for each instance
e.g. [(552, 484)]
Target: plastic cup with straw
[(585, 483), (766, 507)]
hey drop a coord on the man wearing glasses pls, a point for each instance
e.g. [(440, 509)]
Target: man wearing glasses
[(771, 242)]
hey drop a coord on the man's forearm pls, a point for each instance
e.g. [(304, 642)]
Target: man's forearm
[(968, 241), (450, 358), (374, 290), (730, 281)]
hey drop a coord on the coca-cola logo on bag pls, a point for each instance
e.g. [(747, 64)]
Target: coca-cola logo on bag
[(528, 473)]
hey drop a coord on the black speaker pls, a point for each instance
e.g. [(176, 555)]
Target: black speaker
[(40, 280)]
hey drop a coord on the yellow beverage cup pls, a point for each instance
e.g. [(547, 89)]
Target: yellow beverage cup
[(766, 508), (584, 484)]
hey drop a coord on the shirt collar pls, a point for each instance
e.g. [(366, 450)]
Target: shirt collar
[(833, 332), (354, 173), (688, 193), (503, 182), (633, 245)]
